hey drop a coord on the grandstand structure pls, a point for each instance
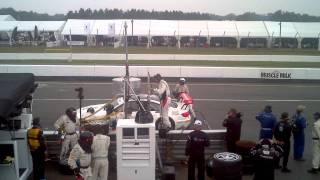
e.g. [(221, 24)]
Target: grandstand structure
[(175, 33)]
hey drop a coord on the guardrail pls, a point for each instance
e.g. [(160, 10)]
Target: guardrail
[(166, 71), (171, 149), (176, 57)]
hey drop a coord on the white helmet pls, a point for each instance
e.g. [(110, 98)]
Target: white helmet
[(182, 80)]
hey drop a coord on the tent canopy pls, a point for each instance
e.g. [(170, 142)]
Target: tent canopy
[(7, 18), (287, 29), (307, 30), (7, 26), (222, 28), (251, 29)]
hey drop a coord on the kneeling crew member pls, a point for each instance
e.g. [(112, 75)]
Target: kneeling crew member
[(80, 156), (265, 154)]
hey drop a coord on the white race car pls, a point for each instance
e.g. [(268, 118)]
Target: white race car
[(179, 114)]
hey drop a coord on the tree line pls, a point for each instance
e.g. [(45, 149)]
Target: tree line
[(164, 15)]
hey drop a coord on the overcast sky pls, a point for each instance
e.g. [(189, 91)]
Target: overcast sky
[(219, 7)]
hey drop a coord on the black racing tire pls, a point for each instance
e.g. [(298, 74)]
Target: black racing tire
[(173, 124), (224, 164), (64, 169), (229, 177)]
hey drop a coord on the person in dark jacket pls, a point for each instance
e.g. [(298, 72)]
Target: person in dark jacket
[(267, 121), (196, 143), (299, 124), (265, 153), (233, 124), (37, 147), (282, 133)]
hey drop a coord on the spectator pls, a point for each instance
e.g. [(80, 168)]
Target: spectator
[(267, 121), (233, 124)]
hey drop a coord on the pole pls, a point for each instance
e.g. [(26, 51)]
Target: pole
[(131, 32), (80, 96), (224, 33), (248, 40), (126, 79), (319, 41), (70, 39), (280, 41)]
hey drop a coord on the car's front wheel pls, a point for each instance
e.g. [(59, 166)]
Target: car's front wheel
[(158, 125)]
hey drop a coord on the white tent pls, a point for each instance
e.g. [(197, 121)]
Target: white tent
[(140, 27), (78, 27), (222, 29), (6, 26), (252, 29), (287, 29), (103, 27), (56, 26), (193, 28), (164, 28), (307, 29), (7, 18)]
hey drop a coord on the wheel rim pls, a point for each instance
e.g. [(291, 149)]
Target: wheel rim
[(226, 156)]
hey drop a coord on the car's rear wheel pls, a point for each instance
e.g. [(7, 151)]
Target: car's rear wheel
[(173, 124)]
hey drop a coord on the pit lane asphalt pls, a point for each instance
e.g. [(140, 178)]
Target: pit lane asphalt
[(212, 99)]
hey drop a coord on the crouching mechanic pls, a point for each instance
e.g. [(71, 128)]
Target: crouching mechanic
[(100, 163), (182, 87), (163, 91), (80, 156), (68, 123), (197, 141), (265, 154)]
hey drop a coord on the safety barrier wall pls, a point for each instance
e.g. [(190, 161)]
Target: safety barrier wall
[(87, 56), (166, 71), (171, 149)]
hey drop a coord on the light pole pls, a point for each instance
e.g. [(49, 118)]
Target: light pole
[(224, 33), (248, 39), (280, 41), (272, 40), (198, 42), (126, 78), (131, 32), (319, 41)]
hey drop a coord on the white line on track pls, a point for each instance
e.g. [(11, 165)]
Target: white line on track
[(190, 84), (74, 83), (44, 99), (213, 100)]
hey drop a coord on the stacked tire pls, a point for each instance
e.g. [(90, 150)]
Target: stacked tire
[(224, 166), (243, 148)]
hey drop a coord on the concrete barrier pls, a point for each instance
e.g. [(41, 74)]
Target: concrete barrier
[(166, 71), (176, 57)]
